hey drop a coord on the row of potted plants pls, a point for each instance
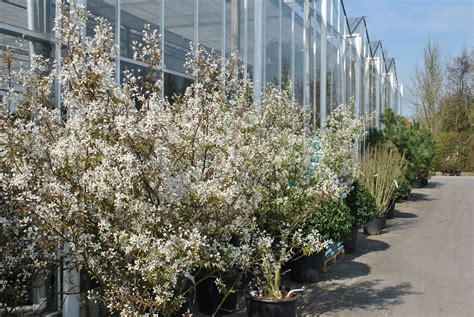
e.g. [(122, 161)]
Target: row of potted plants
[(160, 201), (154, 198)]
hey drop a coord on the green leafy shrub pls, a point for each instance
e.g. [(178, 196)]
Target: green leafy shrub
[(415, 143), (454, 151), (375, 137), (361, 204), (333, 220), (403, 190)]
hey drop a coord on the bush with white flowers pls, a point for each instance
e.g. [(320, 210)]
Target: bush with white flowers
[(150, 193)]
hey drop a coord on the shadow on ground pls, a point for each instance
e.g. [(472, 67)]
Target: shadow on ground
[(433, 184), (349, 267), (367, 295), (415, 197), (406, 215), (366, 245)]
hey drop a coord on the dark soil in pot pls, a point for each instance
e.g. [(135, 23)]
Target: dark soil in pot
[(209, 298), (272, 308), (307, 269), (374, 227), (391, 210), (350, 243)]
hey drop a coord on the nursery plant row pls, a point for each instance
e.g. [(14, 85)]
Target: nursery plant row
[(158, 204)]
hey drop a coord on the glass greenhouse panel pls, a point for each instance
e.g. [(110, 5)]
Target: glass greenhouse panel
[(175, 84), (250, 38), (37, 16), (100, 8), (234, 27), (178, 33), (299, 53), (133, 17), (286, 43), (272, 41), (210, 22)]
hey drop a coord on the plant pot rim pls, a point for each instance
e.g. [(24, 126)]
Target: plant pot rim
[(269, 300)]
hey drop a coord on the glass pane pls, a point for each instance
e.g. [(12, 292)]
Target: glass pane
[(272, 41), (100, 8), (234, 15), (299, 53), (134, 16), (175, 84), (179, 32), (17, 12), (250, 37), (210, 31), (286, 44)]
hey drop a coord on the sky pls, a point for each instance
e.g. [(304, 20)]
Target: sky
[(405, 26)]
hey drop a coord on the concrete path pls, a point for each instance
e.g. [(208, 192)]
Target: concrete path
[(422, 264)]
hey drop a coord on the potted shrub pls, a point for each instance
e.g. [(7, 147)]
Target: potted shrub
[(403, 190), (290, 187), (381, 166), (333, 221), (362, 207)]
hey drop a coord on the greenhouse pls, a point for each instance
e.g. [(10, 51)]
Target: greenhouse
[(326, 55), (220, 157)]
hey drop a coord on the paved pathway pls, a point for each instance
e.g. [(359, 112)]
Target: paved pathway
[(422, 264)]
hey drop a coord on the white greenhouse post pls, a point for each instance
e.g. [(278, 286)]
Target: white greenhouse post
[(343, 66), (292, 71), (307, 55), (400, 97), (315, 103), (258, 52), (71, 288), (245, 41), (279, 43), (366, 80), (378, 86), (323, 53), (358, 46), (162, 46), (358, 81), (117, 38), (30, 4), (393, 89)]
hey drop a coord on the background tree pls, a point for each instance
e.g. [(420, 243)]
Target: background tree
[(427, 86), (455, 141)]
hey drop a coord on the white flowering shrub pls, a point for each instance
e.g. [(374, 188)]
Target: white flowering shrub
[(341, 130), (152, 194), (289, 188), (27, 248)]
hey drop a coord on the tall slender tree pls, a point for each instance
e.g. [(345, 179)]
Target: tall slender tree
[(427, 86)]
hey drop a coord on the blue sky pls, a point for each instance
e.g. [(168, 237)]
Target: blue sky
[(406, 25)]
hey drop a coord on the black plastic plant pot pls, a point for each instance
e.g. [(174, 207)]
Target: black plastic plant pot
[(416, 184), (272, 307), (307, 269), (384, 221), (209, 298), (374, 227), (350, 244), (391, 210)]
